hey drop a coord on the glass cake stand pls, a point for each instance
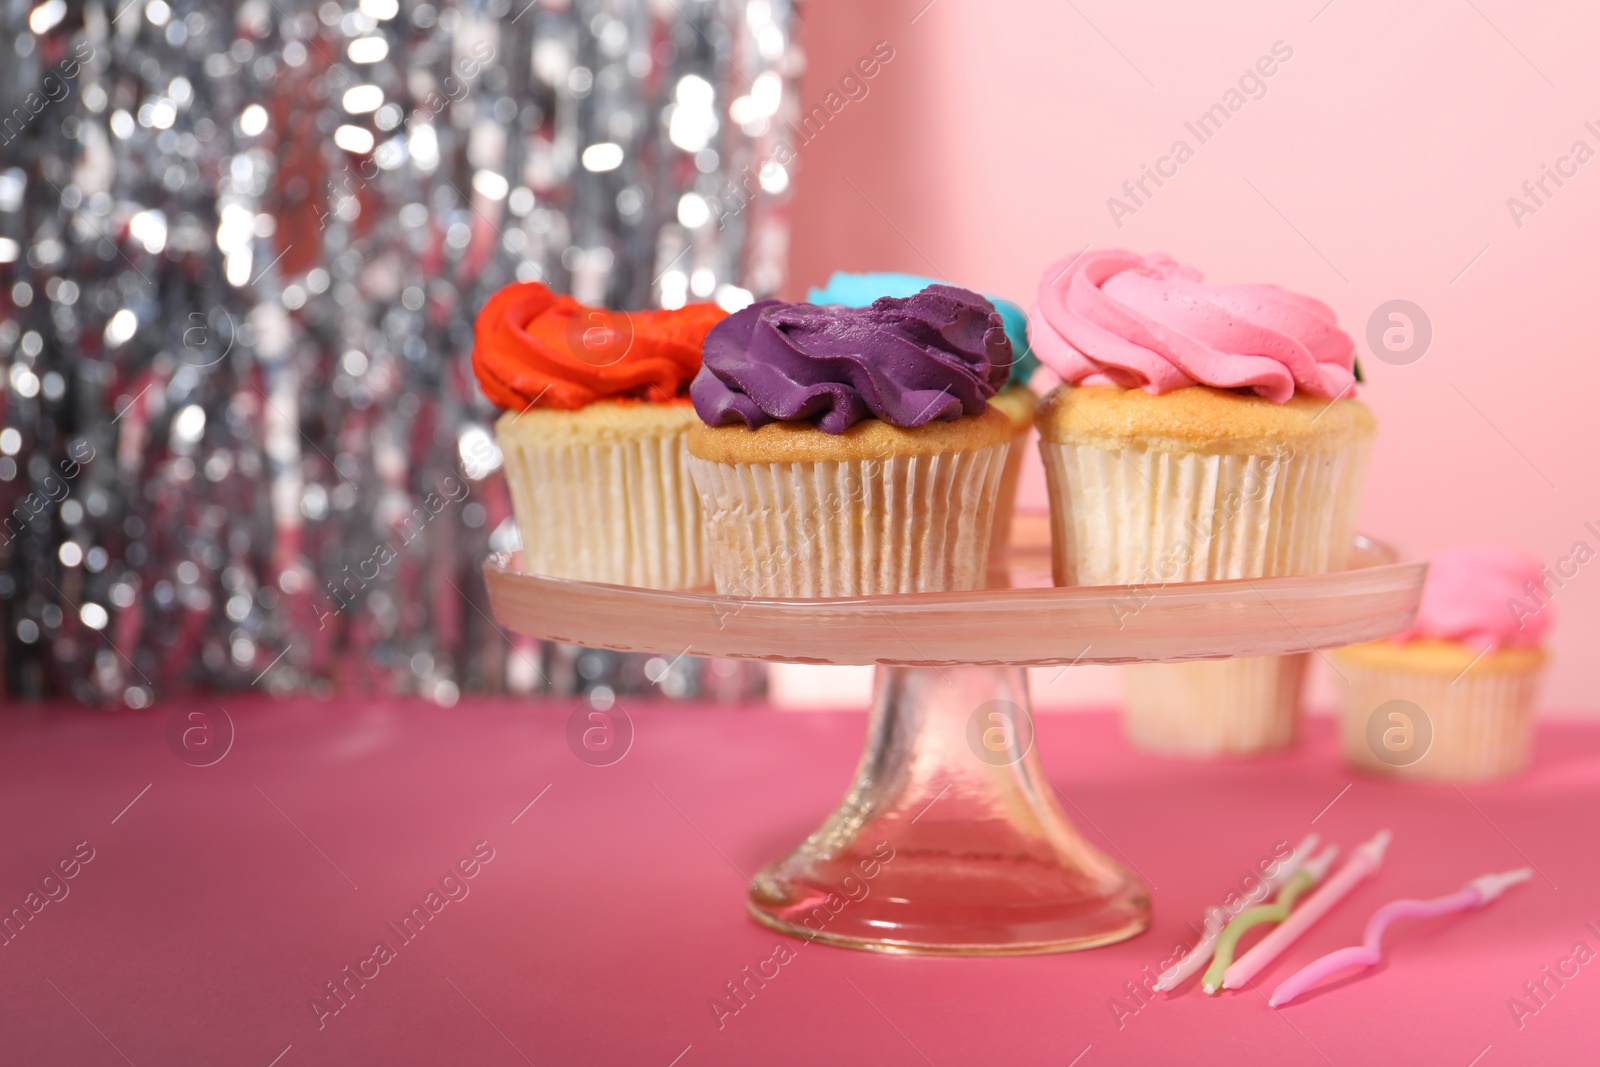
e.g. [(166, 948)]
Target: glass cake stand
[(949, 841)]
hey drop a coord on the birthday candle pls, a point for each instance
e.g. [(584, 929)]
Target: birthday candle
[(1475, 894), (1363, 862), (1276, 912), (1196, 957)]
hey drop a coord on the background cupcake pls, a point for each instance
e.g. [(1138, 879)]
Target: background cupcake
[(851, 451), (1215, 707), (596, 410), (1015, 399), (1452, 698), (1204, 432)]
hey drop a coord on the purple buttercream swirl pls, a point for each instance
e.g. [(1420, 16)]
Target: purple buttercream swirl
[(939, 354)]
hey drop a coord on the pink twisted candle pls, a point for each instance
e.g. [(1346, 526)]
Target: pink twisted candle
[(1475, 894)]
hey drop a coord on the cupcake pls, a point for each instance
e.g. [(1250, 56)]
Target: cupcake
[(1203, 432), (851, 451), (1215, 707), (596, 410), (1014, 399), (1452, 697)]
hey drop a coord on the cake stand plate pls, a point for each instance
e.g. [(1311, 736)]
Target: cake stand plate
[(949, 840)]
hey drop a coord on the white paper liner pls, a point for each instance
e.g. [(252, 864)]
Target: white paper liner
[(1005, 505), (905, 524), (1140, 516), (1215, 707), (625, 513), (1482, 722), (1146, 517)]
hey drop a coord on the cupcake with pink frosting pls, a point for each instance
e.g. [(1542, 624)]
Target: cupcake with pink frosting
[(1202, 432), (1452, 698)]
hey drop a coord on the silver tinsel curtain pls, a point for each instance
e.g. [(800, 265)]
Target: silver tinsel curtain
[(241, 248)]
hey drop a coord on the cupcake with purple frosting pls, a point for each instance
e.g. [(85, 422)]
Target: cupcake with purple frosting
[(1014, 398), (851, 451)]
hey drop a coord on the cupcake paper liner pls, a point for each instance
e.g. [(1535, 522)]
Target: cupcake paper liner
[(1005, 504), (1215, 707), (1480, 725), (859, 527), (621, 512), (1149, 517)]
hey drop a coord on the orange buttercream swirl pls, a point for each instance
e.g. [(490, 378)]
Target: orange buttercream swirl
[(536, 348)]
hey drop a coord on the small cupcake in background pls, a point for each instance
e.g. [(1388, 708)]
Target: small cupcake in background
[(596, 410), (1452, 698), (851, 451), (1015, 399), (1215, 707), (1203, 432)]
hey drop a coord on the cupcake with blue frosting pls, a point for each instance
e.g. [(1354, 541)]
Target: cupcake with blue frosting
[(1014, 399), (851, 451)]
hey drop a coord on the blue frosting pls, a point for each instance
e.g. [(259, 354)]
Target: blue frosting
[(859, 290)]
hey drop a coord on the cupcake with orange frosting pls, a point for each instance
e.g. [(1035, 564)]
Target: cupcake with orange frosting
[(852, 451), (596, 408), (1203, 432), (1452, 698)]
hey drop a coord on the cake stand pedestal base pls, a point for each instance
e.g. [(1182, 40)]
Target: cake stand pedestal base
[(950, 841)]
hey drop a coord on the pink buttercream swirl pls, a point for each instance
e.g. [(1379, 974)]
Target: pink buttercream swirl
[(1114, 317), (1483, 596)]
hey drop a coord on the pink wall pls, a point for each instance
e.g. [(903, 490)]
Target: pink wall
[(1377, 166)]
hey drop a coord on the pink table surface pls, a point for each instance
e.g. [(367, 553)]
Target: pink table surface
[(219, 903)]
